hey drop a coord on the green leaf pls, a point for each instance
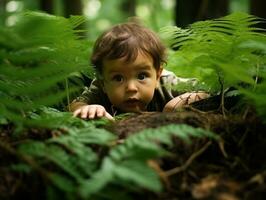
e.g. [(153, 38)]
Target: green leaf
[(149, 140), (61, 182), (140, 174), (99, 179)]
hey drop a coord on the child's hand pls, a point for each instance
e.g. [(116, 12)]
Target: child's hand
[(184, 99), (92, 112)]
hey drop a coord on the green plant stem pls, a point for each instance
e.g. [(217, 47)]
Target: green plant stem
[(67, 91), (221, 107), (254, 88)]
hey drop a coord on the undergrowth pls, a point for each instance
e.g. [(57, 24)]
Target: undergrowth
[(84, 158), (77, 159), (229, 52)]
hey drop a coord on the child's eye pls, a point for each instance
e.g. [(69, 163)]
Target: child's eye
[(117, 78), (142, 76)]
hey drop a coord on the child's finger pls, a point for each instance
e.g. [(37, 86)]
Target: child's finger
[(91, 112), (76, 112), (108, 116), (100, 112)]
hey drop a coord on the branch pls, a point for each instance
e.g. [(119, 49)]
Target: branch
[(189, 161)]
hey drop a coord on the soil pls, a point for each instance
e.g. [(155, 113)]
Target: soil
[(232, 168)]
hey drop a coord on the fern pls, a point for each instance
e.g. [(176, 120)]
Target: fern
[(68, 163), (214, 46), (44, 52), (70, 157), (127, 162), (221, 53)]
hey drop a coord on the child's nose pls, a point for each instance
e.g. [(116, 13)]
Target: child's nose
[(131, 86)]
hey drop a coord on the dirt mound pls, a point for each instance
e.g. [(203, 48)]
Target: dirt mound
[(229, 169)]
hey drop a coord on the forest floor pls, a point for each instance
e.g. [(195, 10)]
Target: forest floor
[(232, 168)]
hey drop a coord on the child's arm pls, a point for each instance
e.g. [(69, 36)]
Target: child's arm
[(85, 111), (184, 99)]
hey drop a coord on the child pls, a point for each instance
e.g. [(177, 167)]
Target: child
[(129, 59)]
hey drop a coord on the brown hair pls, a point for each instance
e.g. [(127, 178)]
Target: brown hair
[(127, 40)]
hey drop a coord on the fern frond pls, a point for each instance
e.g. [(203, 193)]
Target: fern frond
[(221, 53), (51, 153), (210, 47), (76, 21), (47, 28), (69, 155), (128, 161), (62, 183), (45, 51), (48, 117), (163, 135)]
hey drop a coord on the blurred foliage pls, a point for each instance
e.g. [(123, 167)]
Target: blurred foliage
[(152, 12), (101, 14), (239, 6), (222, 53), (37, 56)]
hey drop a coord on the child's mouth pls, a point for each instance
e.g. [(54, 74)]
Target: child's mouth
[(132, 102), (135, 104)]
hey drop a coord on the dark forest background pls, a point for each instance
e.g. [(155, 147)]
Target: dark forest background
[(155, 13)]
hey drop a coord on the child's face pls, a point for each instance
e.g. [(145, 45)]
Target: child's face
[(130, 86)]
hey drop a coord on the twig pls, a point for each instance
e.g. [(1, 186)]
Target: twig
[(243, 137), (189, 161), (191, 108), (221, 146)]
